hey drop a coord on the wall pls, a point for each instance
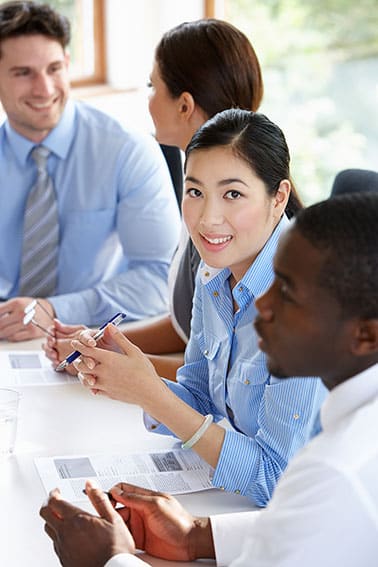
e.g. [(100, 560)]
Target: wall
[(132, 31)]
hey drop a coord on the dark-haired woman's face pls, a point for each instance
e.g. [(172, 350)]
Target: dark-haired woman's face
[(164, 110), (227, 209)]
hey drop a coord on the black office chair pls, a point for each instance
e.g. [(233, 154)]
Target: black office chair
[(172, 155), (354, 180)]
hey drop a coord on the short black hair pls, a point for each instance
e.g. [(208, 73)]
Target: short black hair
[(20, 18), (346, 227)]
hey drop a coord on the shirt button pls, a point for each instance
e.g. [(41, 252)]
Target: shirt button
[(237, 491), (296, 416), (247, 382), (215, 294), (221, 488), (206, 352), (241, 288), (153, 427), (207, 274)]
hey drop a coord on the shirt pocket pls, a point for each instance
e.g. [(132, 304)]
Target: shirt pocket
[(91, 227), (246, 389), (91, 235), (252, 372), (209, 346)]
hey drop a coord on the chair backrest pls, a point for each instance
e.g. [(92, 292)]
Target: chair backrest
[(172, 155), (354, 180)]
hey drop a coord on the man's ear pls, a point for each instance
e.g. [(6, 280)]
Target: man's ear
[(67, 59), (365, 339)]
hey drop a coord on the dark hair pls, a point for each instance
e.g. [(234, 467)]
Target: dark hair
[(345, 227), (214, 62), (19, 18), (256, 140)]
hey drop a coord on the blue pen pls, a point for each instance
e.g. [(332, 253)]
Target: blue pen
[(115, 320)]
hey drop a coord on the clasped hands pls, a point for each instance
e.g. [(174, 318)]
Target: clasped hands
[(151, 521), (115, 367)]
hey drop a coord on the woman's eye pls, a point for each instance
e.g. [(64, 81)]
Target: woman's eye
[(193, 192), (149, 84), (233, 194)]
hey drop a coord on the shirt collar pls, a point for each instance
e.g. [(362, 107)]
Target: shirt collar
[(58, 140), (347, 397), (260, 274), (207, 273)]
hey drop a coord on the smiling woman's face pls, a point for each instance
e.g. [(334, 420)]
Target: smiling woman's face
[(227, 209)]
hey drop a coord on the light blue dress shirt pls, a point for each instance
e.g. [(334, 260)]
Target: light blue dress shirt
[(118, 215), (225, 374)]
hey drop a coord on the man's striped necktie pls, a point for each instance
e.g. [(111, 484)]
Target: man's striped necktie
[(38, 274)]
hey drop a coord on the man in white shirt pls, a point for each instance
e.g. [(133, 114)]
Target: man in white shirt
[(319, 317)]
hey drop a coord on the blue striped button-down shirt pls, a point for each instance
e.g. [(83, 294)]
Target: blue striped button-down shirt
[(225, 374)]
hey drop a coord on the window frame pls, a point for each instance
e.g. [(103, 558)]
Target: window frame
[(209, 8), (98, 77)]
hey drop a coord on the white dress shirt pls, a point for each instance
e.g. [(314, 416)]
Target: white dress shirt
[(324, 511)]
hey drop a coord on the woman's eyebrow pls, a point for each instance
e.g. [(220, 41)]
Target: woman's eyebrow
[(221, 183), (230, 181), (193, 180)]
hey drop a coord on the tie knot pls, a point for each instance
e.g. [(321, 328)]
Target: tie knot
[(40, 155)]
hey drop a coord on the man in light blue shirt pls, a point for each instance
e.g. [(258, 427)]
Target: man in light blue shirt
[(118, 216)]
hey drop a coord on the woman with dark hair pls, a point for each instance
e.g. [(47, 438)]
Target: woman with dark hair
[(237, 190), (200, 68)]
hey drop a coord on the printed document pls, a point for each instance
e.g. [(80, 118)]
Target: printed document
[(176, 471), (29, 368)]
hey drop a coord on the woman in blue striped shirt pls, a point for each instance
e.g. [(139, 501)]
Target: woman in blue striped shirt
[(237, 189)]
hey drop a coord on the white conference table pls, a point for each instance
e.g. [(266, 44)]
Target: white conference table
[(68, 420)]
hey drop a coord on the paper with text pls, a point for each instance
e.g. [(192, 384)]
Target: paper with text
[(29, 368), (175, 471)]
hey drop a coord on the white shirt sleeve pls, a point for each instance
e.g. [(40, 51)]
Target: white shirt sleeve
[(125, 560), (230, 532), (316, 517)]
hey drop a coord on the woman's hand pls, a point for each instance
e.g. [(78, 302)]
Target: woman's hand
[(58, 347), (125, 375)]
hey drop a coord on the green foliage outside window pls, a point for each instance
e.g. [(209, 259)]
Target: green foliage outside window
[(320, 68)]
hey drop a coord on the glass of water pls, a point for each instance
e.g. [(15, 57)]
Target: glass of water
[(8, 420)]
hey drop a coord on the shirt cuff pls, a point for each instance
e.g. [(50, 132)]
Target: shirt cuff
[(235, 470), (230, 532), (124, 560), (75, 308), (149, 422)]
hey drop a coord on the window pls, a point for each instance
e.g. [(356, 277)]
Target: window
[(87, 46), (320, 68)]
